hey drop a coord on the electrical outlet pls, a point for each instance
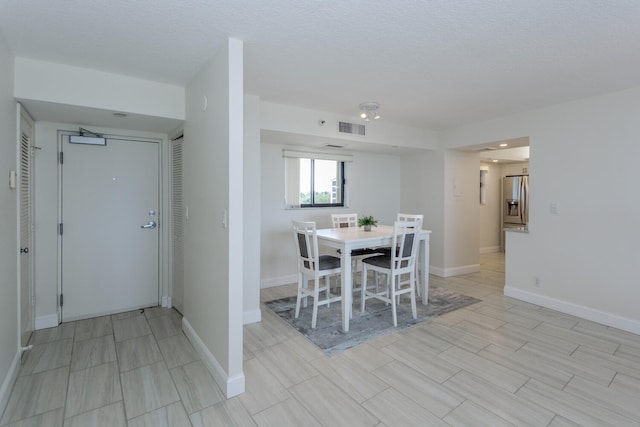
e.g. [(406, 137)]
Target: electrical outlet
[(536, 281), (553, 208)]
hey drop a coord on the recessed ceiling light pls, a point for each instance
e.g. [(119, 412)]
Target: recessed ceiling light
[(121, 115), (504, 144), (495, 160)]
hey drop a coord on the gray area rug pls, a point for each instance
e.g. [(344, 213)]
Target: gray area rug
[(374, 322)]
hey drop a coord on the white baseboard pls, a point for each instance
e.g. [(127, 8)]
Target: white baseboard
[(604, 318), (490, 249), (231, 386), (278, 281), (253, 316), (436, 271), (7, 383), (166, 302), (454, 271), (48, 321)]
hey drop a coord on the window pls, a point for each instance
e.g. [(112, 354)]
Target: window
[(314, 180)]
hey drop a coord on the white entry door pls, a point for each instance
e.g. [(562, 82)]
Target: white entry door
[(110, 227)]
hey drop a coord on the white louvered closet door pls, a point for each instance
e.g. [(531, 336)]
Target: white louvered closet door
[(27, 297), (177, 225)]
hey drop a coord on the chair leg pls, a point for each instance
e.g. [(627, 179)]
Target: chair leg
[(417, 275), (412, 281), (316, 295), (354, 271), (299, 298), (389, 283), (392, 284), (363, 287), (376, 278), (305, 286)]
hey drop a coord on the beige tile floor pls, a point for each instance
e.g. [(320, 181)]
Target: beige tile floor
[(500, 362)]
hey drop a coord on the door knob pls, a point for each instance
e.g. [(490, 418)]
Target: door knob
[(151, 225)]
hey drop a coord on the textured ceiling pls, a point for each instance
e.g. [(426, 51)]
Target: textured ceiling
[(432, 64)]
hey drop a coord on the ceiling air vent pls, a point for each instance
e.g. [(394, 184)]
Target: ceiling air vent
[(334, 146), (483, 149), (350, 128)]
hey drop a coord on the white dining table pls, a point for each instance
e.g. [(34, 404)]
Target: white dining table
[(349, 238)]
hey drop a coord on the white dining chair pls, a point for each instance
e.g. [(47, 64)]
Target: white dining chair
[(409, 218), (397, 264), (412, 217), (351, 220), (344, 220), (312, 265)]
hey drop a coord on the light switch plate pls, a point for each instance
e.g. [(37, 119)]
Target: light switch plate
[(12, 180)]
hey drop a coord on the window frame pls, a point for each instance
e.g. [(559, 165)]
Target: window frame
[(313, 191), (292, 177)]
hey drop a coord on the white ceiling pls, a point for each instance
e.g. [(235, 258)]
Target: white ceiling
[(432, 64)]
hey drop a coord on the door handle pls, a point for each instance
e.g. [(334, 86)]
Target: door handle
[(151, 225)]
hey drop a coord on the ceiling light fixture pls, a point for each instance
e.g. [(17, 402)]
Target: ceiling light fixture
[(369, 111), (504, 144)]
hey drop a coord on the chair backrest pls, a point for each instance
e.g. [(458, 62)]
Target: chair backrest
[(344, 220), (405, 240), (410, 217), (306, 241)]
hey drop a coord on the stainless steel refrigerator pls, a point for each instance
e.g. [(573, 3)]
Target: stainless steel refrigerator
[(515, 200)]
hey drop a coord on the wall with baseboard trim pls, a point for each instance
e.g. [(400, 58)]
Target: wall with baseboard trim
[(604, 318), (251, 316), (231, 386), (490, 250), (454, 271), (572, 253)]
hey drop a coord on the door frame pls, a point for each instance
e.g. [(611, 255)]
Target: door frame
[(163, 213)]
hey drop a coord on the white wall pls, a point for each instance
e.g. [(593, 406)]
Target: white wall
[(490, 222), (461, 213), (373, 188), (213, 185), (586, 255), (46, 216), (64, 84), (443, 185), (251, 227), (423, 193), (8, 229)]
